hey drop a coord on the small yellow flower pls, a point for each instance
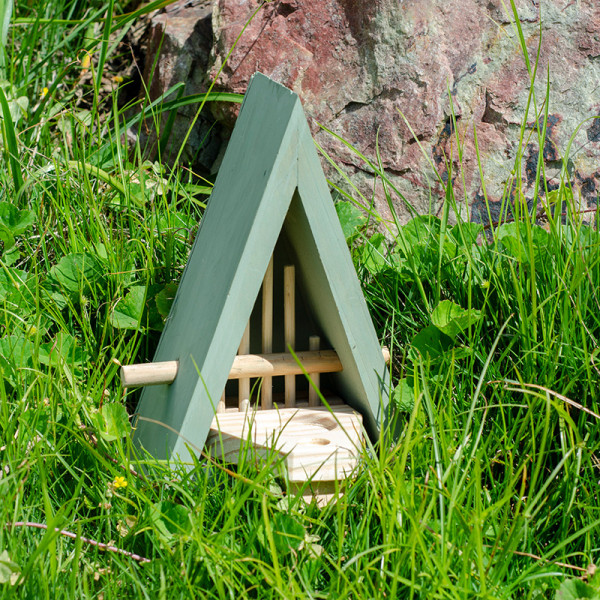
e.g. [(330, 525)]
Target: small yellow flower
[(44, 92), (119, 482), (117, 79)]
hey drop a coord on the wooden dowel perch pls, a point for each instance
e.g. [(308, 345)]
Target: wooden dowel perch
[(156, 373), (249, 365), (283, 363)]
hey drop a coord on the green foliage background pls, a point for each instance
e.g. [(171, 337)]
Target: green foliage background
[(485, 487)]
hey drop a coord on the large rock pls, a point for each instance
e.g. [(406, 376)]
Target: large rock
[(176, 48), (383, 74)]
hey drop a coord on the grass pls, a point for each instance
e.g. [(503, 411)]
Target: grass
[(488, 489)]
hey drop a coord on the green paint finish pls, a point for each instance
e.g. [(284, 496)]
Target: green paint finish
[(270, 180)]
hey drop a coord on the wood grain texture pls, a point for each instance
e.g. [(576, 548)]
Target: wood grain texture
[(313, 361), (284, 363), (317, 444), (149, 374)]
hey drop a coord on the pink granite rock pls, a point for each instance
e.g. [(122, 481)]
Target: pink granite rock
[(382, 75)]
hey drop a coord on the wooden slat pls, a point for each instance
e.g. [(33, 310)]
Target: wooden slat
[(244, 366), (317, 444), (249, 365), (244, 383), (273, 365), (267, 333)]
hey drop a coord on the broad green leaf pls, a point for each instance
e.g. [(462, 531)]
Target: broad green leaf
[(6, 237), (164, 299), (450, 248), (100, 249), (9, 570), (288, 534), (453, 319), (17, 349), (459, 352), (404, 395), (421, 229), (170, 519), (351, 218), (373, 254), (112, 422), (15, 220), (152, 319), (515, 241), (63, 349), (575, 589), (128, 312), (430, 342), (60, 300), (16, 354), (11, 281), (466, 234), (78, 273), (18, 108)]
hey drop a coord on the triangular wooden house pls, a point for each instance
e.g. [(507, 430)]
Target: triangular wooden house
[(270, 215)]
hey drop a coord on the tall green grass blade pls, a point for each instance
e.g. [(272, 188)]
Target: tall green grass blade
[(121, 20), (104, 44), (10, 142), (6, 10)]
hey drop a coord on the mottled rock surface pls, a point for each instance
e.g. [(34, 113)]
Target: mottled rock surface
[(177, 45), (382, 74)]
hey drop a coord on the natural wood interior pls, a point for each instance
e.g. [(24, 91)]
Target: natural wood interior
[(278, 309), (282, 416)]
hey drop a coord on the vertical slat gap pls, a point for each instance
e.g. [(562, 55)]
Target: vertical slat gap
[(244, 384), (267, 333)]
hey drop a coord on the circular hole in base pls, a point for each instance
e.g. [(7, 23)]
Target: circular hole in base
[(320, 441), (320, 421)]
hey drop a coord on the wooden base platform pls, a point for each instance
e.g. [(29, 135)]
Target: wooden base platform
[(316, 444)]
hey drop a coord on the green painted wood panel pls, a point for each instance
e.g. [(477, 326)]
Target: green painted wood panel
[(224, 272), (270, 165), (334, 289)]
